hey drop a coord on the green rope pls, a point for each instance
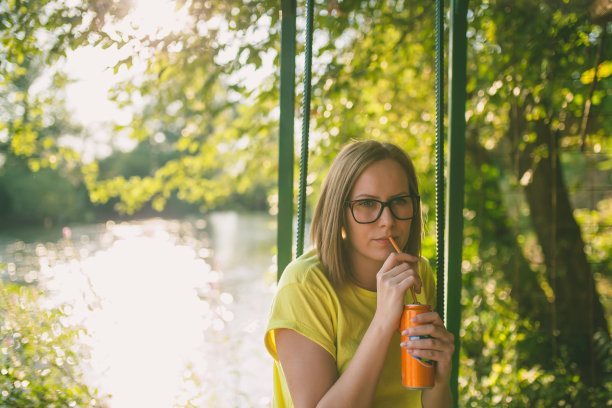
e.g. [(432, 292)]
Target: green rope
[(440, 159), (305, 126)]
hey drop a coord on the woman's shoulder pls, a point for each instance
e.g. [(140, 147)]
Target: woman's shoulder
[(424, 264), (428, 279), (304, 286), (306, 269), (425, 270)]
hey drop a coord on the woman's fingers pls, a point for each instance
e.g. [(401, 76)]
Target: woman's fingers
[(397, 269), (392, 282), (429, 324), (429, 339), (402, 276), (429, 342), (428, 317), (395, 259)]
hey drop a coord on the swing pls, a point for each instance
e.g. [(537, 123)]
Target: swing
[(449, 219)]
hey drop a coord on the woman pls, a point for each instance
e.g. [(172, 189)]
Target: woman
[(333, 329)]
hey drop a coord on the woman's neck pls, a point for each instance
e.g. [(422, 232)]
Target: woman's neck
[(364, 271)]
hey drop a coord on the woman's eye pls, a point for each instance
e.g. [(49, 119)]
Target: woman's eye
[(365, 203), (399, 201)]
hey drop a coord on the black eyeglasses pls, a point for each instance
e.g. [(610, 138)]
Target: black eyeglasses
[(368, 210)]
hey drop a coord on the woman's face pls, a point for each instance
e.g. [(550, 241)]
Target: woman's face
[(369, 244)]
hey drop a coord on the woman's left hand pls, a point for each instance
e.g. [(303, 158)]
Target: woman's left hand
[(439, 347)]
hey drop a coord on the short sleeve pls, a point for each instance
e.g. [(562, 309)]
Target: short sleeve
[(308, 309)]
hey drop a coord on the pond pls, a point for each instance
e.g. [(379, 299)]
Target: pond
[(175, 310)]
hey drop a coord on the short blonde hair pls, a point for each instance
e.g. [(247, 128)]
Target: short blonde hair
[(330, 216)]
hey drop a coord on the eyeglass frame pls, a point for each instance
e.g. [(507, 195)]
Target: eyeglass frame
[(350, 204)]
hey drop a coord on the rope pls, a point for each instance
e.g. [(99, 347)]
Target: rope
[(440, 308), (305, 127)]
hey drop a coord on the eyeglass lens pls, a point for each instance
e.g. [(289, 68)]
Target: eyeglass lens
[(369, 210)]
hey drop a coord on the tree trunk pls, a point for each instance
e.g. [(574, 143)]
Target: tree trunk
[(577, 313), (532, 302), (497, 233)]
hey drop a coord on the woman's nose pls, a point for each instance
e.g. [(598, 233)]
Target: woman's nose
[(386, 218)]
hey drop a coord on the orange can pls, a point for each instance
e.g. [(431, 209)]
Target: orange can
[(417, 373)]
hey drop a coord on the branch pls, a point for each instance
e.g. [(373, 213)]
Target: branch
[(588, 102)]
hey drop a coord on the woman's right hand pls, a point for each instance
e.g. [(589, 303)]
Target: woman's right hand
[(395, 277)]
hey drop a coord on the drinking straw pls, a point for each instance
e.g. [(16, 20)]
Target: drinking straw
[(414, 298)]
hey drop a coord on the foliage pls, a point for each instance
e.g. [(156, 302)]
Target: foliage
[(492, 374), (48, 196), (598, 236), (197, 112), (39, 363), (38, 180), (527, 109), (34, 35)]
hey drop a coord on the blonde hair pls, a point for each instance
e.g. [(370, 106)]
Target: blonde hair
[(329, 219)]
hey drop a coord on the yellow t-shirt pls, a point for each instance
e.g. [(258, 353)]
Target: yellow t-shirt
[(337, 319)]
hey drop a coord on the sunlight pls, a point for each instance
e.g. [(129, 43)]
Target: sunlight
[(92, 70), (165, 307), (144, 327), (153, 18)]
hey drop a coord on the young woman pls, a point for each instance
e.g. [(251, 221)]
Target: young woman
[(334, 322)]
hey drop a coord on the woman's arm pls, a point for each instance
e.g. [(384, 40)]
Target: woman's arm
[(312, 376), (310, 370)]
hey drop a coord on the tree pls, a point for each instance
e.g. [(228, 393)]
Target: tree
[(41, 355), (39, 175), (203, 103), (527, 105), (34, 35)]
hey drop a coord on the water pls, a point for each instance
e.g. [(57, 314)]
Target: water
[(175, 310)]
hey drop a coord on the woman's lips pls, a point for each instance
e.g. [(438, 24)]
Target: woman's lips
[(382, 241)]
